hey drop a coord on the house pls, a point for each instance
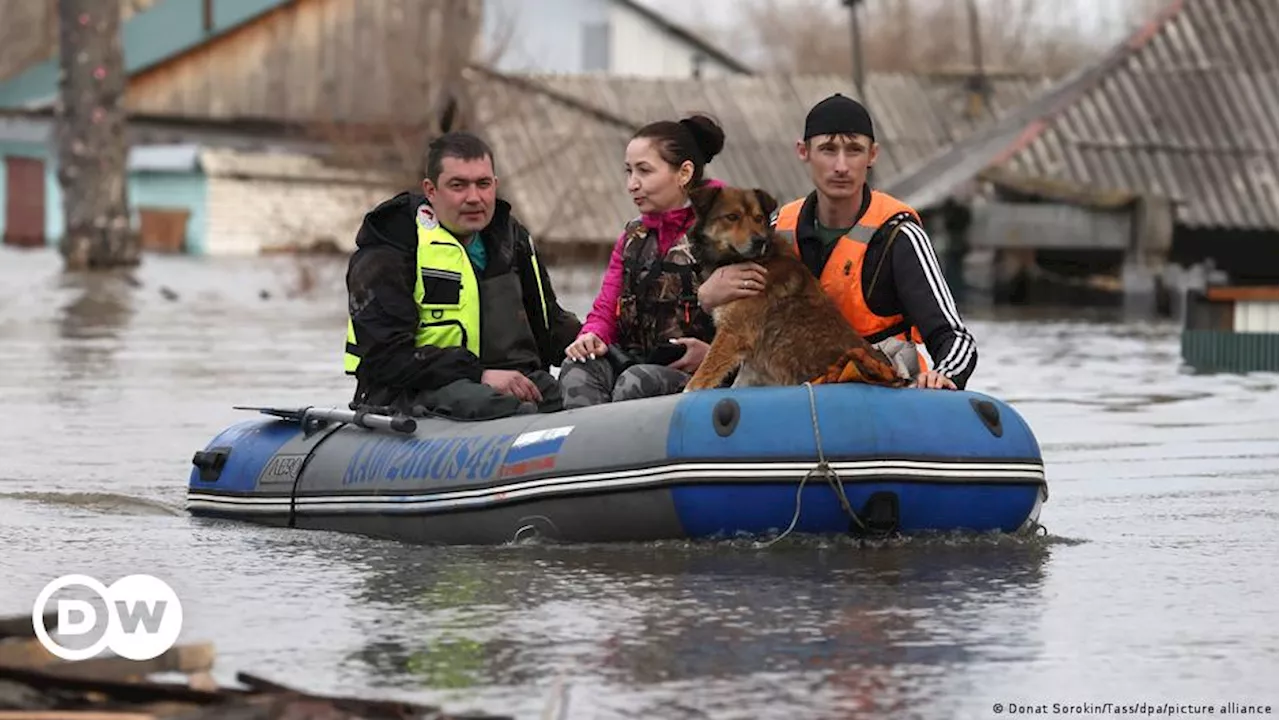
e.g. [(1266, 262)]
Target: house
[(610, 37), (206, 196), (617, 37), (559, 139), (267, 93), (26, 186), (246, 202), (1159, 157), (1232, 329), (276, 83), (29, 33)]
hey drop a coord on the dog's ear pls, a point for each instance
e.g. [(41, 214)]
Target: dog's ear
[(703, 197), (767, 203)]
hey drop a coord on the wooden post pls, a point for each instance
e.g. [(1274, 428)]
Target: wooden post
[(859, 72), (978, 88), (90, 131)]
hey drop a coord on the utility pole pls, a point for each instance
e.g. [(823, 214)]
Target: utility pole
[(978, 80), (856, 46), (90, 131)]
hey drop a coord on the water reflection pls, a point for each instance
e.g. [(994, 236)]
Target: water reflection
[(1170, 476), (91, 323), (650, 615)]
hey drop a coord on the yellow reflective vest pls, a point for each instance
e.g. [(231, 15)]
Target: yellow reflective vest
[(446, 291)]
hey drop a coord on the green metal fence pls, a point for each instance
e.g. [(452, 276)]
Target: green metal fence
[(1225, 351)]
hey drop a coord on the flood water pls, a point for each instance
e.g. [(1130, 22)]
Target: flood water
[(1157, 582)]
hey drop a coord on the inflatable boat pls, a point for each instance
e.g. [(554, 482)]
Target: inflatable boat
[(822, 459)]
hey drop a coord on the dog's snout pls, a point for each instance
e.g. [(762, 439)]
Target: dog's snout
[(759, 243)]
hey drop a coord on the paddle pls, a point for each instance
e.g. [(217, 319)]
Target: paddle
[(360, 418)]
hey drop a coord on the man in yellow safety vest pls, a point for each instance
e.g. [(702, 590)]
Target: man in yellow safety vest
[(450, 310)]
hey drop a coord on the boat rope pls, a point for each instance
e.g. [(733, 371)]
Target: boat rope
[(824, 470)]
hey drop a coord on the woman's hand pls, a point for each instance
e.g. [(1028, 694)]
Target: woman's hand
[(694, 351), (731, 282), (588, 346)]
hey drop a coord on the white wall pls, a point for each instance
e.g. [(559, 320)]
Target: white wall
[(644, 49), (540, 35), (1256, 316), (549, 36), (247, 217)]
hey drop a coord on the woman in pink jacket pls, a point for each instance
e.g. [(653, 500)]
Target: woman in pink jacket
[(648, 301)]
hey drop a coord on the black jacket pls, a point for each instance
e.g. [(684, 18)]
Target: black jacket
[(380, 282), (915, 287)]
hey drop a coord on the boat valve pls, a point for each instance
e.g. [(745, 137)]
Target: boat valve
[(990, 415), (210, 462), (725, 416)]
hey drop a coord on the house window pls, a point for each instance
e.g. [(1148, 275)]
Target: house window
[(595, 47)]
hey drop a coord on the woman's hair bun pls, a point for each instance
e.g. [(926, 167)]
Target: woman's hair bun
[(707, 135)]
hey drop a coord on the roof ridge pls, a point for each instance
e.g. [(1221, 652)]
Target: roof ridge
[(688, 35), (1092, 75), (1031, 116), (36, 84), (527, 83)]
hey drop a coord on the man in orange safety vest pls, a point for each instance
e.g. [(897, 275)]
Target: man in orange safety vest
[(869, 251)]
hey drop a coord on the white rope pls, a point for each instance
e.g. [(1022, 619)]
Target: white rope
[(823, 468)]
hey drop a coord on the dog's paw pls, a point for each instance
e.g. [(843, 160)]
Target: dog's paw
[(693, 387)]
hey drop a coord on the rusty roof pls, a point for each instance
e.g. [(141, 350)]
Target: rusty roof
[(1186, 109), (559, 139)]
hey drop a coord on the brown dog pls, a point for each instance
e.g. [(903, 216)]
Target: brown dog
[(791, 332)]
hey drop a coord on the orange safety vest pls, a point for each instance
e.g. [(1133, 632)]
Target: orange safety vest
[(842, 276)]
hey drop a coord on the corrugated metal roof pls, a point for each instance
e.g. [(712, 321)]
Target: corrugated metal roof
[(24, 129), (1186, 110), (929, 182), (164, 158), (283, 165), (559, 139)]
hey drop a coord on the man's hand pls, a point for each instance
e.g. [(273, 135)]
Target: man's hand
[(731, 282), (587, 346), (934, 381), (512, 382), (695, 351)]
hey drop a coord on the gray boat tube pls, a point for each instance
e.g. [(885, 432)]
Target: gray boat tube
[(752, 461)]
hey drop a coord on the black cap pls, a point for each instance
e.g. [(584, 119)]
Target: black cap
[(838, 115)]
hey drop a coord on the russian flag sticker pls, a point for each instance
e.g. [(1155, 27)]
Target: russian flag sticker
[(534, 451)]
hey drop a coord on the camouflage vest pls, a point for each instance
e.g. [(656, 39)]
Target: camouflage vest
[(659, 298)]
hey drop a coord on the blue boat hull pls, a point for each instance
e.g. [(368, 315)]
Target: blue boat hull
[(699, 465)]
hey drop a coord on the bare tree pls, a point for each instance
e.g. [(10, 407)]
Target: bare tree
[(913, 36), (442, 86), (90, 131), (432, 96)]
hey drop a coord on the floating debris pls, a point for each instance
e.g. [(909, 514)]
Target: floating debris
[(36, 685)]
